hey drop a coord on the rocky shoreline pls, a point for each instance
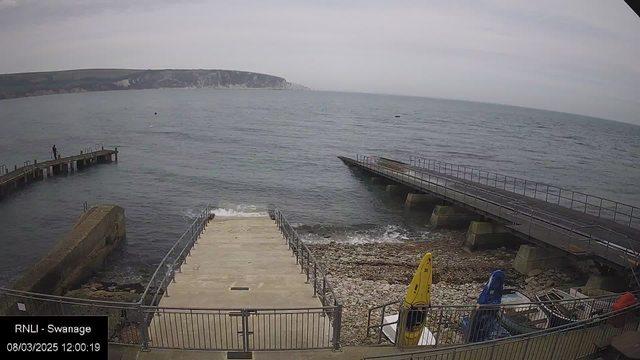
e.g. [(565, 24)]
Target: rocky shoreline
[(369, 275)]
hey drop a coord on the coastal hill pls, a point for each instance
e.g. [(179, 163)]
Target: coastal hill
[(73, 81)]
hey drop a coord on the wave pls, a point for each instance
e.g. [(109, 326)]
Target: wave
[(222, 212), (359, 235)]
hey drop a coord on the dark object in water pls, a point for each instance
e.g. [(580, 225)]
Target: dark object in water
[(397, 116), (155, 113)]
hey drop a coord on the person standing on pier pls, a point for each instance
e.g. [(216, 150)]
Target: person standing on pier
[(55, 152)]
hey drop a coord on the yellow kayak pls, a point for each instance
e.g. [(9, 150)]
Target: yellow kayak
[(417, 299)]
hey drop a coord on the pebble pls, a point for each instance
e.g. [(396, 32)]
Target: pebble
[(534, 272), (370, 275)]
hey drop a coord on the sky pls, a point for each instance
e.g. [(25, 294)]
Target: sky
[(577, 56)]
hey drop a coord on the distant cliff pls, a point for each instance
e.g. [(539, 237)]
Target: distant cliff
[(73, 81)]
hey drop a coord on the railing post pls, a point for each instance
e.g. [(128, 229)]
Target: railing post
[(308, 268), (546, 198), (245, 331), (399, 340), (337, 325), (324, 289), (572, 195), (600, 208), (301, 252), (143, 329), (315, 279)]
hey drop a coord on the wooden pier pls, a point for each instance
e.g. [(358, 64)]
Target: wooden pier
[(31, 172)]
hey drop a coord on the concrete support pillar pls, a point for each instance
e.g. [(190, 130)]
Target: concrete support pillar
[(452, 217), (486, 235), (378, 180), (531, 257), (398, 190), (606, 282), (421, 201)]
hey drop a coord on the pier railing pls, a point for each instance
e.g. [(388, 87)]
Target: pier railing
[(616, 211), (578, 239), (241, 330), (173, 260), (449, 325), (570, 341), (309, 266)]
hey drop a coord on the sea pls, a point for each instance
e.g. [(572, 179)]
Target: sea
[(241, 151)]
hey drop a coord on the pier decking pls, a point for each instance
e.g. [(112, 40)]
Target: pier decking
[(240, 253), (241, 283), (30, 172)]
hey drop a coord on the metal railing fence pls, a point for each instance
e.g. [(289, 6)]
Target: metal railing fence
[(460, 324), (578, 239), (567, 342), (241, 329), (616, 211), (315, 275), (173, 260), (124, 318), (190, 328)]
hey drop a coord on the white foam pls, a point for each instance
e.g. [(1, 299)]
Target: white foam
[(391, 234), (220, 212)]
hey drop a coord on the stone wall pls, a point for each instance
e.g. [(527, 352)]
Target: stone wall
[(79, 254)]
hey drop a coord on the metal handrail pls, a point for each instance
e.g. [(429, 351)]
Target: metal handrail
[(603, 302), (293, 239), (160, 279), (321, 289), (578, 325), (502, 210), (493, 178), (65, 299)]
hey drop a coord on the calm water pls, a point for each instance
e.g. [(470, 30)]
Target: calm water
[(242, 150)]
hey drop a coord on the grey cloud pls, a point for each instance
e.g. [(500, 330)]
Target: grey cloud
[(573, 56)]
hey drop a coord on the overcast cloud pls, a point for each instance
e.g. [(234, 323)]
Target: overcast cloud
[(577, 56)]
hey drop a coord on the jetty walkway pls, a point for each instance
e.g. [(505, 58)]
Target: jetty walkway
[(580, 225), (31, 172)]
